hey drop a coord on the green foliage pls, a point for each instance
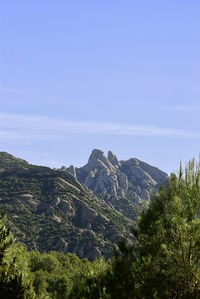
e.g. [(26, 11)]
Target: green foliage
[(8, 161), (164, 263), (54, 273), (169, 237), (120, 278), (15, 277), (90, 282), (62, 276)]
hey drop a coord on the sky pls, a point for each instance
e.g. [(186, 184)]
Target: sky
[(119, 75)]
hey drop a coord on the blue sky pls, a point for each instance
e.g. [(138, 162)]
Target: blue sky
[(115, 75)]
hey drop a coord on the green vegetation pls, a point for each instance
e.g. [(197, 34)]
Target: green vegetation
[(15, 277), (168, 237), (29, 275), (162, 262), (59, 275)]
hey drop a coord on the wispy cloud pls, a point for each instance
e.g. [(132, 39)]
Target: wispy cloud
[(37, 128), (183, 108), (4, 89), (10, 90)]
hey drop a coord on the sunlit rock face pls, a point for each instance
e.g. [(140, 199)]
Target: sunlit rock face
[(108, 177)]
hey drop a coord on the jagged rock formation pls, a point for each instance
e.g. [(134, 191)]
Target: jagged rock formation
[(112, 179)]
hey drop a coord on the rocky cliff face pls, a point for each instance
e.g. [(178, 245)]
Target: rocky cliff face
[(112, 179)]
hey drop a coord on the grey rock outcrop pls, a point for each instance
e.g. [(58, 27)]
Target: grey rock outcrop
[(113, 159), (107, 176)]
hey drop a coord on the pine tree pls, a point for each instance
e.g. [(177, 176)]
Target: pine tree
[(15, 278), (169, 239), (164, 261)]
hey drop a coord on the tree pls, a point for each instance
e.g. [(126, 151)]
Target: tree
[(168, 236), (91, 283), (15, 278), (164, 261)]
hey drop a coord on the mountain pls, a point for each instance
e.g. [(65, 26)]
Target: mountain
[(50, 210), (83, 210), (124, 185)]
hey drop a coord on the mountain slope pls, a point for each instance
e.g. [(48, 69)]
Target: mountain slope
[(50, 210)]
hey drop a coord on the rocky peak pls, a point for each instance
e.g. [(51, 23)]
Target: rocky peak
[(96, 154), (98, 160), (113, 159), (131, 179), (106, 176)]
